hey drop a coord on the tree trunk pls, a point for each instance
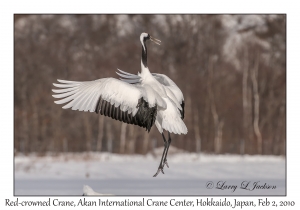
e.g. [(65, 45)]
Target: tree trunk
[(56, 143), (100, 132), (35, 128), (88, 132), (44, 136), (247, 100), (65, 145), (245, 103), (217, 124), (219, 134), (109, 136), (132, 140), (206, 117), (197, 130), (24, 144), (123, 138), (186, 143), (256, 105), (146, 142)]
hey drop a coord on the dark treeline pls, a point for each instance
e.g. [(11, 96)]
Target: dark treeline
[(230, 68)]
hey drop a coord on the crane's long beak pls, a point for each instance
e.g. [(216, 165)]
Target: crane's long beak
[(156, 41)]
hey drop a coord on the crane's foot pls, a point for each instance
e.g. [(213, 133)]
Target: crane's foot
[(166, 163), (160, 169)]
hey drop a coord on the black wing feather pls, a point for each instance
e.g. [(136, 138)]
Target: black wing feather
[(182, 111), (145, 116)]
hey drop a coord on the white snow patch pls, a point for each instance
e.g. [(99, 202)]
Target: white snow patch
[(66, 173), (115, 166)]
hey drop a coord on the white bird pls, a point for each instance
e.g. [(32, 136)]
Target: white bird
[(142, 99), (87, 190)]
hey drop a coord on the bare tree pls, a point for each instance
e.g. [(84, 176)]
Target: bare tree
[(88, 132), (100, 132), (122, 138), (109, 137), (256, 104), (217, 122), (132, 139), (146, 142), (196, 130), (246, 110)]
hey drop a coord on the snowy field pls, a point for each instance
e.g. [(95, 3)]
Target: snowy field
[(189, 174)]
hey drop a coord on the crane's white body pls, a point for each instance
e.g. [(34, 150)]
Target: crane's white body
[(165, 90)]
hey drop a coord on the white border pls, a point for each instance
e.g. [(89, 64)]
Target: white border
[(8, 8)]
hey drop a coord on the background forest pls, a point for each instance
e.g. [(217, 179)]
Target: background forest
[(230, 68)]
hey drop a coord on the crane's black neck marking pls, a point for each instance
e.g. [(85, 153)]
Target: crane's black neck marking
[(144, 54)]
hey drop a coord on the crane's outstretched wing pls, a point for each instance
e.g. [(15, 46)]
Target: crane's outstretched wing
[(168, 83), (110, 97)]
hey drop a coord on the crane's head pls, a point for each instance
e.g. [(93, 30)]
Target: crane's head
[(145, 36)]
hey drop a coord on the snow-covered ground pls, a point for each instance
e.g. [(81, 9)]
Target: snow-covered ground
[(189, 174)]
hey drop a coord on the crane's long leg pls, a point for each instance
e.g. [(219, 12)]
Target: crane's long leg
[(161, 165), (169, 142)]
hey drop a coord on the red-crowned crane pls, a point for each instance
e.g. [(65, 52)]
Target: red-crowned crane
[(142, 99)]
